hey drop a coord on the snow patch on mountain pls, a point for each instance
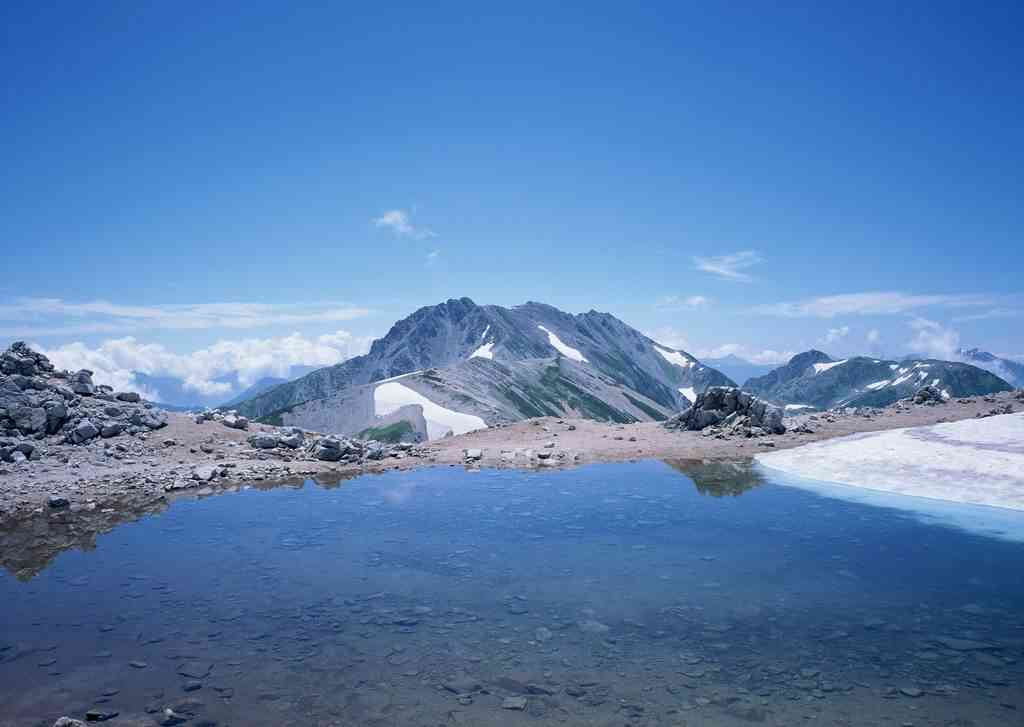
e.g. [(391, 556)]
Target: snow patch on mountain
[(823, 367), (485, 351), (689, 393), (562, 348), (391, 396), (674, 357)]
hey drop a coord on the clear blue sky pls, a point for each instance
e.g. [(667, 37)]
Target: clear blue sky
[(590, 156)]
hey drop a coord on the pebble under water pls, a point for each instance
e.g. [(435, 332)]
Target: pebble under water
[(639, 594)]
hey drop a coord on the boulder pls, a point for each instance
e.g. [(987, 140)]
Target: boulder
[(204, 472), (233, 421), (294, 439), (84, 431), (330, 449), (81, 383), (68, 722), (929, 395), (730, 408), (263, 440), (128, 396), (111, 429)]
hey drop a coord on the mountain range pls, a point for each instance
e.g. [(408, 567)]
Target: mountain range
[(1005, 368), (458, 366), (814, 380)]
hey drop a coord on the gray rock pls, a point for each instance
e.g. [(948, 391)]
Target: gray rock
[(729, 407), (330, 449), (204, 472), (928, 395), (233, 421), (81, 383), (292, 441), (474, 455), (56, 502), (263, 440), (514, 703), (84, 431), (111, 429), (68, 722), (128, 396)]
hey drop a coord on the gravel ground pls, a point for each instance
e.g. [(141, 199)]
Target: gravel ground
[(160, 465)]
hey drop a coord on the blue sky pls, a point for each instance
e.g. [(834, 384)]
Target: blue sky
[(760, 179)]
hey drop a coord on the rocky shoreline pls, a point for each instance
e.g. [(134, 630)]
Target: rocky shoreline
[(49, 466)]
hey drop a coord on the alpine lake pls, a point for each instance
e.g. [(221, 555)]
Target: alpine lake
[(649, 593)]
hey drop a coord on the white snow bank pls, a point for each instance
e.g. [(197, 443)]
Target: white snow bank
[(567, 351), (674, 357), (791, 407), (391, 396), (485, 351), (969, 473), (690, 394), (878, 385), (822, 367)]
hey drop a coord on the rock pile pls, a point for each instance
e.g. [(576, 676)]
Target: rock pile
[(38, 401), (230, 419), (330, 448), (727, 410), (929, 395)]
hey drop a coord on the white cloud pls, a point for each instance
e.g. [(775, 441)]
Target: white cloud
[(836, 334), (679, 302), (674, 338), (764, 356), (934, 340), (116, 361), (400, 222), (31, 317), (883, 303), (729, 267), (432, 257), (874, 336), (994, 313)]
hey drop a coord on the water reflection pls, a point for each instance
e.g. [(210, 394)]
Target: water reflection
[(719, 478), (605, 595)]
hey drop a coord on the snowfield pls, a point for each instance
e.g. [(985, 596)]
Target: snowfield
[(690, 394), (968, 473), (674, 357), (485, 351), (822, 367), (391, 396), (794, 407), (562, 348)]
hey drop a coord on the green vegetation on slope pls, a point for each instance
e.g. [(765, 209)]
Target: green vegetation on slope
[(392, 433)]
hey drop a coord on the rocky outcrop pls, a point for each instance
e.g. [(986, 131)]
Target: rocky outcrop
[(929, 395), (730, 410), (38, 401)]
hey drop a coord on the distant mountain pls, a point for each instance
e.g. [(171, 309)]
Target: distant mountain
[(1007, 369), (458, 366), (173, 394), (736, 368), (813, 380)]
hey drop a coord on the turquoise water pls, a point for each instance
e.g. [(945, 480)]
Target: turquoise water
[(639, 594)]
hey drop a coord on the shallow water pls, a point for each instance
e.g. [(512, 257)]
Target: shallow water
[(640, 594)]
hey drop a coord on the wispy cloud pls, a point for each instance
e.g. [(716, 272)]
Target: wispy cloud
[(881, 303), (729, 267), (680, 302), (674, 338), (934, 339), (117, 361), (836, 334), (29, 317), (992, 314), (400, 223)]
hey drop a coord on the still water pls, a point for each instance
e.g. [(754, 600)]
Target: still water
[(640, 594)]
